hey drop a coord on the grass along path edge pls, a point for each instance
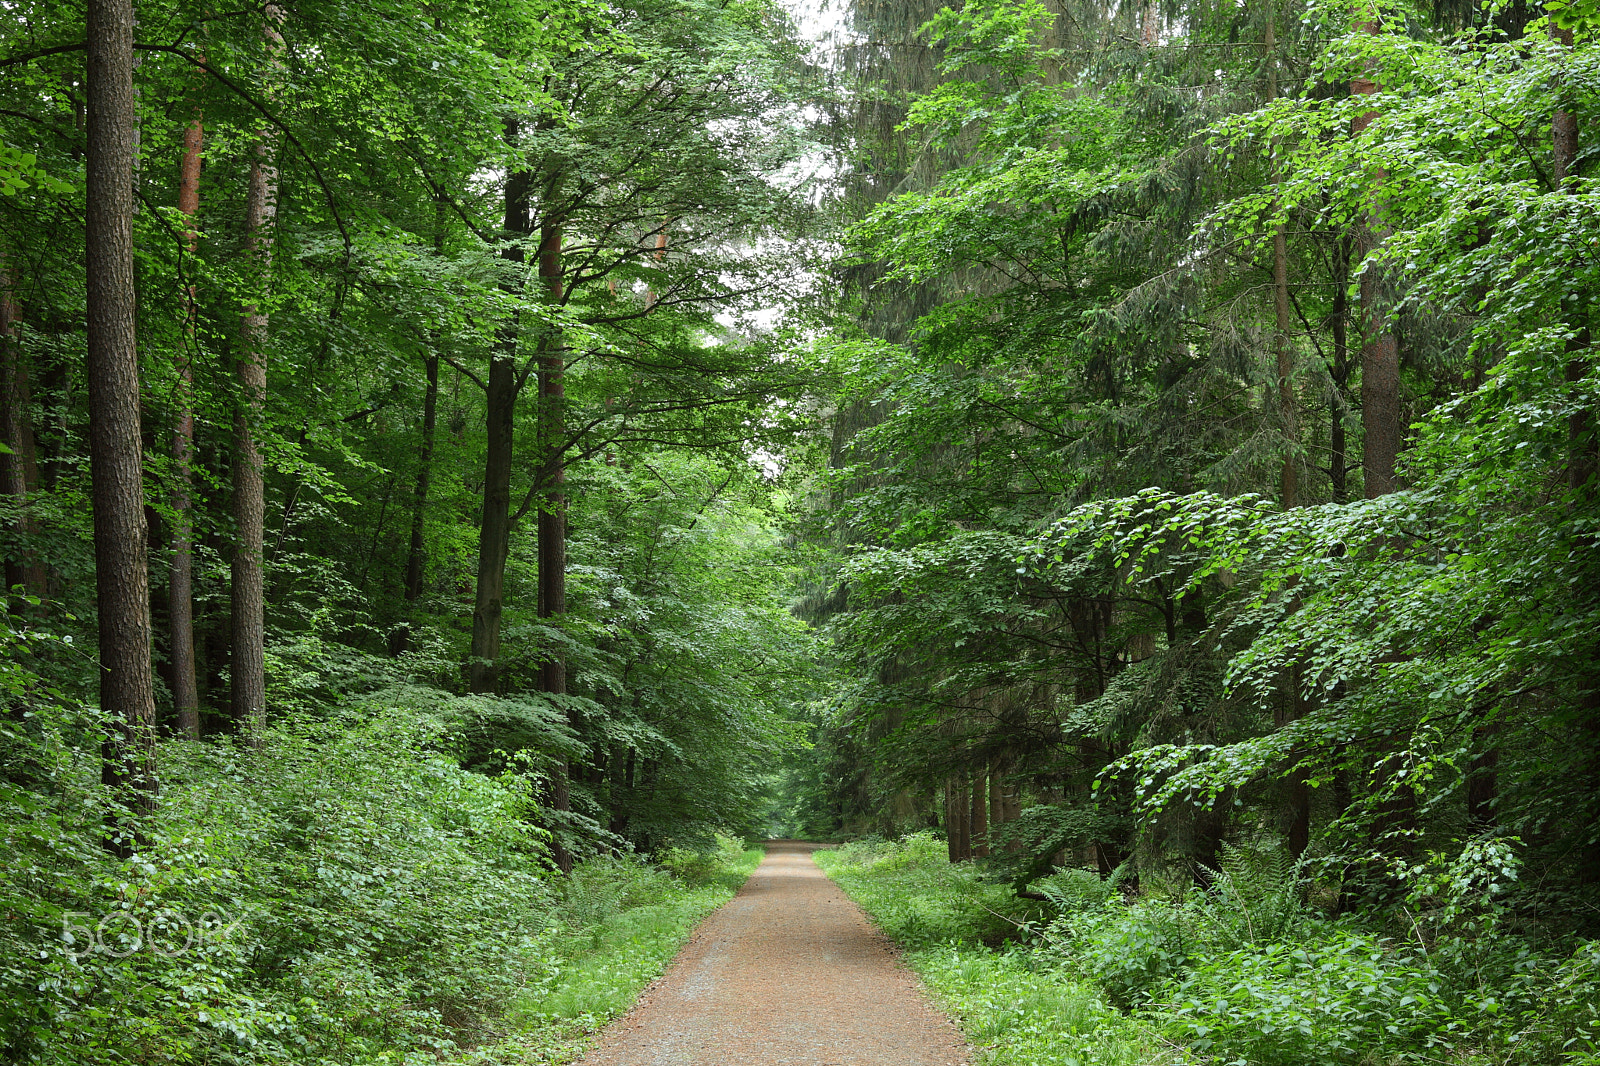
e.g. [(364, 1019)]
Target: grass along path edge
[(625, 923), (1014, 1012)]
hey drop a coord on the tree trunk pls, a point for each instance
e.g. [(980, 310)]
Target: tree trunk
[(494, 532), (180, 581), (19, 472), (961, 826), (1380, 349), (122, 592), (248, 666), (416, 555), (1483, 778), (553, 515), (952, 838), (1288, 413), (979, 819), (1339, 323)]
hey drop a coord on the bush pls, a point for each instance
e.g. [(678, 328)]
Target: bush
[(344, 893), (917, 897), (1342, 997), (1130, 950)]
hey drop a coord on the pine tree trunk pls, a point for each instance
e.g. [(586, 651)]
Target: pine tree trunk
[(180, 582), (1339, 323), (1380, 349), (494, 532), (1288, 412), (979, 820), (127, 693), (997, 794), (248, 666), (962, 826)]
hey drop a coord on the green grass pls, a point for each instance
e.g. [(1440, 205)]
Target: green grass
[(625, 923), (1016, 1012)]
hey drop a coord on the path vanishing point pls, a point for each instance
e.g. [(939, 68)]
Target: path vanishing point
[(788, 973)]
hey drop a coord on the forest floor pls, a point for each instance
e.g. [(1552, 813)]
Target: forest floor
[(789, 973)]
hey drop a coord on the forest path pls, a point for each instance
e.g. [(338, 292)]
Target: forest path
[(787, 973)]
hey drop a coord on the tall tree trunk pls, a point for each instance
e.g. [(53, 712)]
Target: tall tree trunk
[(1299, 793), (248, 666), (979, 819), (122, 591), (553, 515), (494, 532), (962, 826), (1380, 349), (1288, 413), (180, 581), (415, 555), (1339, 323), (19, 472)]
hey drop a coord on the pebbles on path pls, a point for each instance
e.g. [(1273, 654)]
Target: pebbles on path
[(788, 973)]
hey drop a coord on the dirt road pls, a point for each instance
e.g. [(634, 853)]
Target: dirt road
[(788, 973)]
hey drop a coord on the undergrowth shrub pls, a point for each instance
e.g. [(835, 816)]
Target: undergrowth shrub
[(344, 893), (919, 898), (1338, 997)]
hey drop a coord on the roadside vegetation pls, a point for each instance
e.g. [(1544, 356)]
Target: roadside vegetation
[(345, 893), (1246, 969)]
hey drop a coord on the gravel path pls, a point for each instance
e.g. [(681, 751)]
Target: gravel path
[(788, 973)]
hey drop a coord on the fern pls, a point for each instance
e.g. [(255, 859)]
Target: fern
[(1254, 896)]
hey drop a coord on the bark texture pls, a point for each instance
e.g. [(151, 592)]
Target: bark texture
[(553, 515), (180, 579), (979, 818), (122, 590), (249, 666), (1380, 349), (1283, 353), (494, 531)]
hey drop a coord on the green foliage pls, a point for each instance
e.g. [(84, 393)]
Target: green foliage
[(917, 897), (345, 891), (1021, 1015), (1019, 1011)]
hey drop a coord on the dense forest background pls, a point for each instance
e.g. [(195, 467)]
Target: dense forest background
[(448, 449)]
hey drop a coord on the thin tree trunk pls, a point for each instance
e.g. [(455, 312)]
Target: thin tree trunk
[(248, 666), (416, 554), (1380, 349), (180, 581), (979, 821), (952, 835), (1339, 451), (1288, 414), (19, 472), (494, 532), (962, 826), (122, 592)]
